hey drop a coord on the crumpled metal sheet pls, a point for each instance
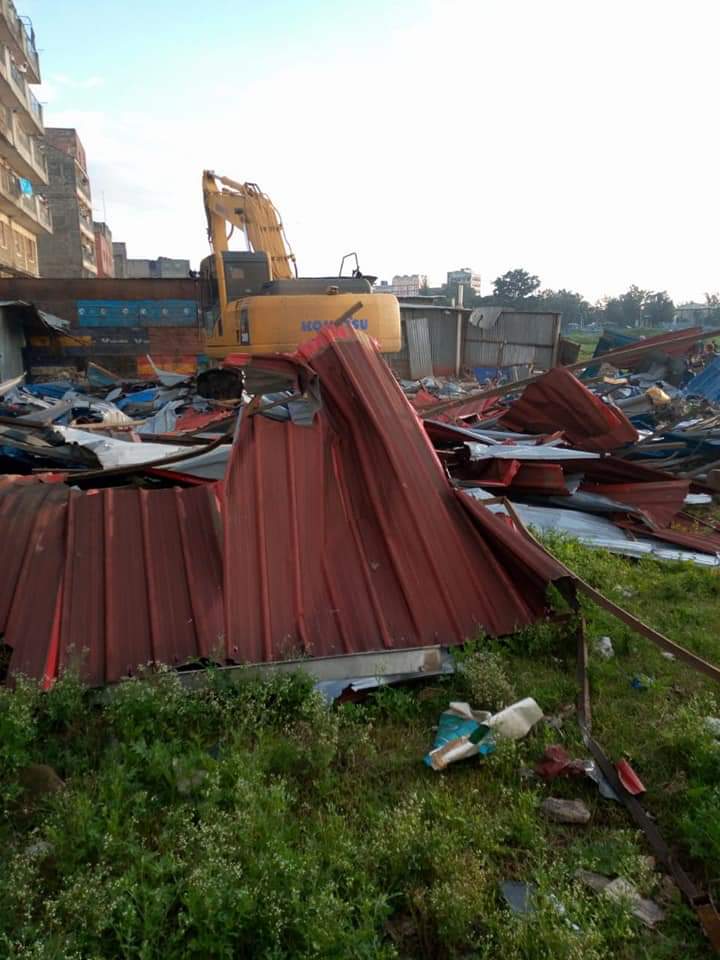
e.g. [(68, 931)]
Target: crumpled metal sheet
[(347, 535), (545, 452), (660, 501), (340, 537), (596, 531), (558, 401)]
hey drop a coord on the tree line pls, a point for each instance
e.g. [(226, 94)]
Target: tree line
[(634, 308)]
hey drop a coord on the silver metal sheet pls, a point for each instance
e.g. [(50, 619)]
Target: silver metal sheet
[(519, 451), (597, 532), (419, 350)]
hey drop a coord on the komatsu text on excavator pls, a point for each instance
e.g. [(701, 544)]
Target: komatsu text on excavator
[(254, 302)]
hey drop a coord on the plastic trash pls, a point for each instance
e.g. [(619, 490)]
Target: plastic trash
[(516, 721), (629, 779), (556, 762), (519, 896), (603, 646), (642, 682), (712, 725), (462, 732)]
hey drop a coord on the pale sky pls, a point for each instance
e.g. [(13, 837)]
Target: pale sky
[(576, 139)]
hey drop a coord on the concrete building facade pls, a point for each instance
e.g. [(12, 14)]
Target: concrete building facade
[(404, 285), (162, 268), (70, 250), (103, 249), (24, 213), (464, 277)]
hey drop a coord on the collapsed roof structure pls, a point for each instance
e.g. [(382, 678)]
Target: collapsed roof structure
[(340, 536)]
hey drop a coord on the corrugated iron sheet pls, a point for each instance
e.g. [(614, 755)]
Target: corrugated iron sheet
[(109, 579), (612, 340), (419, 352), (443, 342), (558, 401), (348, 536), (515, 338), (660, 501), (344, 536)]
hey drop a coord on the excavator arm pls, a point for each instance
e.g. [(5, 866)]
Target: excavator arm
[(245, 206)]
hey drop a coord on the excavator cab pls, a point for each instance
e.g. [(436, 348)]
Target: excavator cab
[(253, 301)]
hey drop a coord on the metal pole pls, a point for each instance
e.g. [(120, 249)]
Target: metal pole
[(458, 341)]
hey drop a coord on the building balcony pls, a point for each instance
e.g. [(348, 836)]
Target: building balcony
[(89, 260), (29, 211), (82, 186), (22, 152), (86, 227), (15, 92), (20, 40)]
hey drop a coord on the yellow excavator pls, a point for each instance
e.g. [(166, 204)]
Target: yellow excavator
[(252, 300)]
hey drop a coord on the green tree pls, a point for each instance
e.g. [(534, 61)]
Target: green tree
[(515, 285), (573, 306), (658, 309), (625, 310)]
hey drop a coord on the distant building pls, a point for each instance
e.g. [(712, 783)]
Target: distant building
[(463, 278), (163, 268), (24, 213), (70, 250), (405, 285), (693, 314), (103, 249)]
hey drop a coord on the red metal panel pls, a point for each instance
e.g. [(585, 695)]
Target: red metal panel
[(351, 526), (703, 542), (142, 581), (340, 537), (199, 524), (31, 623), (660, 501), (547, 478), (19, 506), (559, 401), (192, 421), (82, 630)]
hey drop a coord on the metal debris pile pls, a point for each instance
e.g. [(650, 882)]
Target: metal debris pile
[(618, 451)]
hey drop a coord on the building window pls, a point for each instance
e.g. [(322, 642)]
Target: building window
[(30, 250), (19, 246), (4, 235)]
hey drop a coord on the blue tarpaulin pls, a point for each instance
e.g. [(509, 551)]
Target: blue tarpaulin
[(707, 383)]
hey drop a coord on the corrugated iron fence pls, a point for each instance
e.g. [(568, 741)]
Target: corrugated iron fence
[(517, 338)]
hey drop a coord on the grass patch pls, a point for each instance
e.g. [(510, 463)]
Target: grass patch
[(251, 820)]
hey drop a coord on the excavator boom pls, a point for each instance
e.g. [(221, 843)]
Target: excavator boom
[(245, 206), (252, 300)]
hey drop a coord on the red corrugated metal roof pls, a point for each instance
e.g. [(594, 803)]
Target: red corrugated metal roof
[(558, 401), (193, 421), (109, 579), (660, 501), (340, 537), (701, 539), (348, 535)]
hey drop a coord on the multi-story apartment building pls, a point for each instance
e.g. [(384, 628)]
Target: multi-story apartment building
[(464, 277), (70, 250), (24, 213), (104, 249), (404, 285)]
